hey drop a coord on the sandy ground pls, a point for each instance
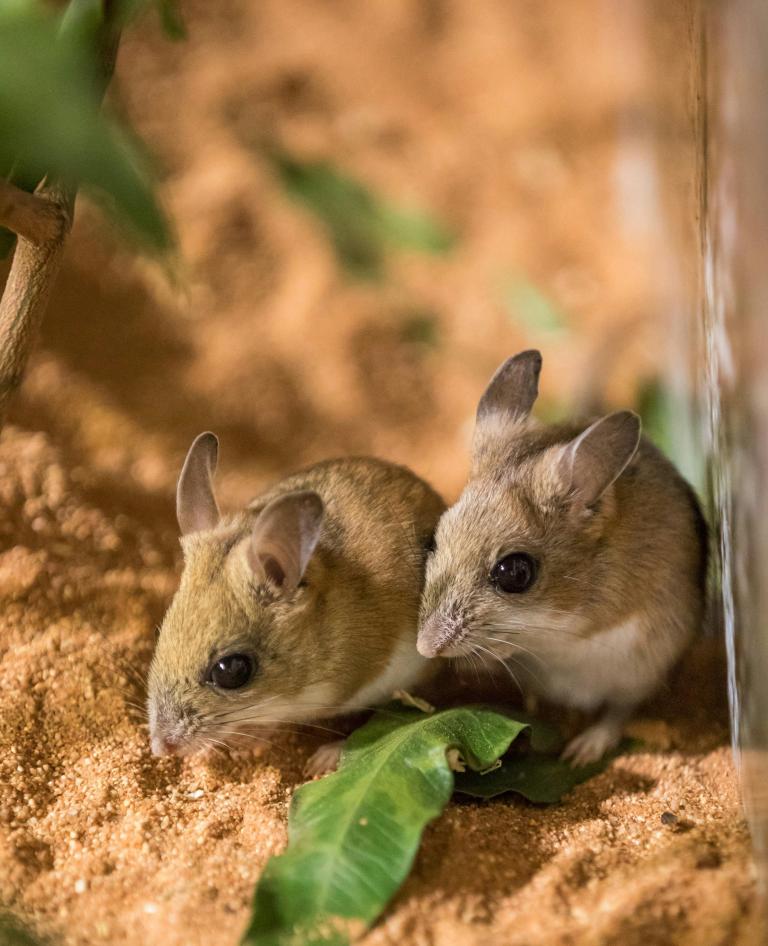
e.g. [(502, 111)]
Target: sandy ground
[(490, 115), (100, 842)]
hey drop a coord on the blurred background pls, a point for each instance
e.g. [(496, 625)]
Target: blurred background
[(375, 204)]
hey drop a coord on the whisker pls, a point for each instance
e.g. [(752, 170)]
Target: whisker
[(517, 646), (238, 709), (473, 661), (508, 669), (285, 723), (247, 735), (593, 641), (516, 660)]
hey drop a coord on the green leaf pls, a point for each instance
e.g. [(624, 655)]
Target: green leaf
[(537, 776), (51, 122), (362, 227), (354, 834)]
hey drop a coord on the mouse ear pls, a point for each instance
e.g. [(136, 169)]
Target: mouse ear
[(598, 456), (196, 507), (513, 390), (284, 537)]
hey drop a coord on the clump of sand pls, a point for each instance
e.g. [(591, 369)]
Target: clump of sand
[(101, 842)]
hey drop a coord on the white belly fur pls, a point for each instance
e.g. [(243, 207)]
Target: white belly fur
[(620, 666), (404, 669)]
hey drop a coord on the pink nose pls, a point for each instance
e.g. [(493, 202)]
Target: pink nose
[(164, 745), (435, 634)]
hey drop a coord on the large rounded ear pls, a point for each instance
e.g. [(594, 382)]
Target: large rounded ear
[(513, 390), (284, 537), (196, 507), (597, 457)]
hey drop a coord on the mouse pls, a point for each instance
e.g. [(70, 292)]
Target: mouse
[(576, 555), (302, 606)]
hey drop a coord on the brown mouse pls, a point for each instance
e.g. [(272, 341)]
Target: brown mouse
[(576, 554), (302, 606)]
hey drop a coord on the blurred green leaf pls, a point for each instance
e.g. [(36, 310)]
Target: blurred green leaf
[(669, 422), (412, 230), (12, 933), (80, 24), (51, 122), (361, 226), (655, 407), (171, 19), (553, 410), (167, 10), (527, 304), (422, 329)]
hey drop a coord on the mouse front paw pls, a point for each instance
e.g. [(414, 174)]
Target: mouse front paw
[(593, 743), (324, 760)]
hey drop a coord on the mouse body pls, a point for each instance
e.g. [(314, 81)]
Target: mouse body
[(302, 606), (576, 555)]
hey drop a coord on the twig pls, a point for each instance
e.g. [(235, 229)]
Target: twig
[(34, 268), (31, 216), (41, 222)]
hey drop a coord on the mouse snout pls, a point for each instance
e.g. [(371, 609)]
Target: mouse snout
[(170, 728), (439, 634), (165, 744)]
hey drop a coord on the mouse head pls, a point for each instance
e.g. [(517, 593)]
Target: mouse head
[(233, 653), (517, 559)]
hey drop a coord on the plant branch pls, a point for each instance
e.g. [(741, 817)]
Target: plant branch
[(42, 222), (34, 268), (33, 217)]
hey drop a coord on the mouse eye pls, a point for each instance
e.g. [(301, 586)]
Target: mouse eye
[(231, 672), (514, 573)]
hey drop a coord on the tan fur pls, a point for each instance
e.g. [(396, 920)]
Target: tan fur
[(619, 591), (321, 644)]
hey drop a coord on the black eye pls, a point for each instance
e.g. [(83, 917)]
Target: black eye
[(232, 671), (514, 573)]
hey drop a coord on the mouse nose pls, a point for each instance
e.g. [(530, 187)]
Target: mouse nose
[(165, 745), (437, 633)]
